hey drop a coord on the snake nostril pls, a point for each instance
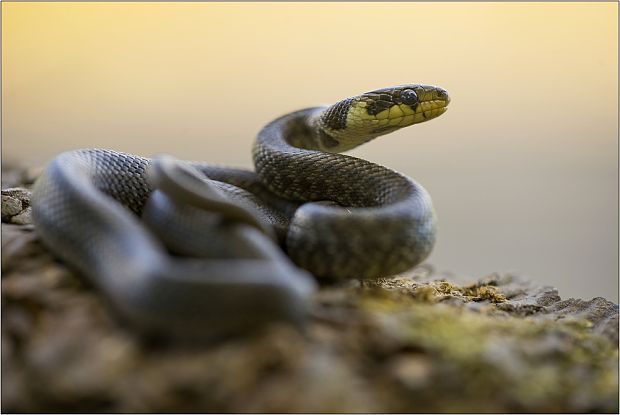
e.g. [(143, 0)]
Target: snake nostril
[(441, 94)]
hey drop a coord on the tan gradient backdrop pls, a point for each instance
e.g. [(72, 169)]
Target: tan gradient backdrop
[(522, 168)]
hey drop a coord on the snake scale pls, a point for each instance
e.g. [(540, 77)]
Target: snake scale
[(191, 248)]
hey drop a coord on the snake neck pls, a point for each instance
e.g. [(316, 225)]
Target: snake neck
[(325, 129), (303, 130), (290, 161)]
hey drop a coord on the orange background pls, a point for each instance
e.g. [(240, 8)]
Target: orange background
[(522, 168)]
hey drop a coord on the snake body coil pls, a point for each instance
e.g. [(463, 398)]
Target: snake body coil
[(214, 268)]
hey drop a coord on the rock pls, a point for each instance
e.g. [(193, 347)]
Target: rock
[(16, 206), (11, 206), (23, 218)]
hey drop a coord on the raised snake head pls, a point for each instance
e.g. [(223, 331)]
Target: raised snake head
[(359, 119)]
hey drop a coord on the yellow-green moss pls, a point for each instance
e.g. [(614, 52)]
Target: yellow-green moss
[(538, 359)]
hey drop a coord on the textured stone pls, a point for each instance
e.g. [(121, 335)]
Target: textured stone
[(16, 206), (23, 218), (11, 206)]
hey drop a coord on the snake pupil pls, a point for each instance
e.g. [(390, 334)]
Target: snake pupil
[(409, 97)]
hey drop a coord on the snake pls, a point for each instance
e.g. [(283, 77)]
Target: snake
[(202, 250)]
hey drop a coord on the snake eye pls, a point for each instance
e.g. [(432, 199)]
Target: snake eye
[(409, 97)]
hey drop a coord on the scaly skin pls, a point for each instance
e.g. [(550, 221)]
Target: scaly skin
[(377, 222)]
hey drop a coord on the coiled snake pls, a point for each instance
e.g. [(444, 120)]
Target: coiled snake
[(206, 262)]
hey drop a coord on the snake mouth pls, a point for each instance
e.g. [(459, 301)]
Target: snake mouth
[(433, 103), (434, 112), (424, 111), (400, 115), (429, 115)]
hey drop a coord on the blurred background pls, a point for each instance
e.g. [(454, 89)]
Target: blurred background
[(522, 168)]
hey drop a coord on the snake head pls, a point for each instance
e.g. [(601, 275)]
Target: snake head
[(356, 120), (403, 105)]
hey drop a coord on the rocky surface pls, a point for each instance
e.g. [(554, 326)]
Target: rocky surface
[(418, 342)]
